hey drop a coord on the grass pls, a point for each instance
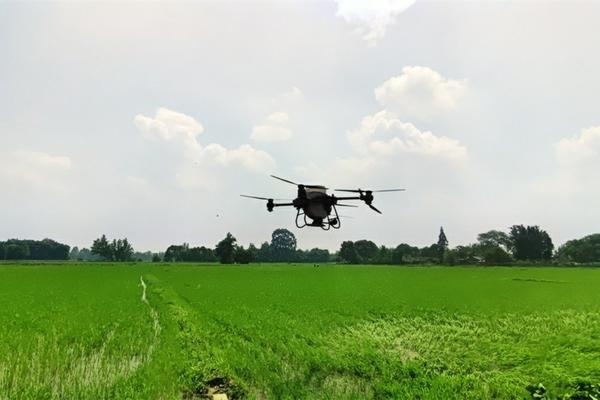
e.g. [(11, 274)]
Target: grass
[(281, 331)]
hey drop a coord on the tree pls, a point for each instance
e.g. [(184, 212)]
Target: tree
[(252, 249), (199, 254), (156, 258), (264, 253), (16, 251), (117, 250), (442, 245), (584, 250), (283, 245), (495, 255), (46, 249), (348, 252), (317, 256), (530, 243), (74, 254), (243, 256), (404, 253), (86, 255), (384, 256), (494, 238), (102, 248), (429, 254), (366, 251), (122, 250), (225, 249)]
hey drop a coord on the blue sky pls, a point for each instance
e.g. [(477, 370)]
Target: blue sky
[(148, 120)]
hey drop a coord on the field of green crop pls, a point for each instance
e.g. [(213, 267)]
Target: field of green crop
[(142, 331)]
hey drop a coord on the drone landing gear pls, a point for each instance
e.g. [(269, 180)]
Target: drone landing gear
[(330, 222)]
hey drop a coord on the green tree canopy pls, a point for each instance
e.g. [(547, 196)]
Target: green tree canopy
[(442, 244), (225, 249), (16, 251), (102, 248), (494, 238), (366, 250), (243, 256), (122, 250), (584, 250), (530, 243), (348, 252), (283, 245)]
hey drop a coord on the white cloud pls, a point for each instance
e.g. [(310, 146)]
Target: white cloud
[(382, 134), (170, 125), (178, 128), (372, 16), (34, 168), (273, 129), (420, 92), (579, 149)]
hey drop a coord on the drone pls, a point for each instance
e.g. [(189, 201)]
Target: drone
[(316, 208)]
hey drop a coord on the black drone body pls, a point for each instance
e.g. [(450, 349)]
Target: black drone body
[(317, 208)]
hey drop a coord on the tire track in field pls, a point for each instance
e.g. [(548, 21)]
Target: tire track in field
[(83, 371), (155, 321)]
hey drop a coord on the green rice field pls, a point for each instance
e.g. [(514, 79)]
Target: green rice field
[(185, 331)]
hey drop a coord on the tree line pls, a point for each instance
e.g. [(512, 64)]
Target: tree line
[(519, 244), (281, 248), (47, 249)]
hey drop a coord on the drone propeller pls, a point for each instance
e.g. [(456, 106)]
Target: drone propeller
[(254, 197), (348, 190), (262, 198), (374, 209), (367, 195), (345, 205), (299, 184), (285, 180)]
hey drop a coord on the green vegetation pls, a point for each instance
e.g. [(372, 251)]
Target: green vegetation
[(283, 331), (47, 249)]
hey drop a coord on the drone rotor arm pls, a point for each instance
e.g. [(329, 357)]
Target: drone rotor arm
[(283, 205)]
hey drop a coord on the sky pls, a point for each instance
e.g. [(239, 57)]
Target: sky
[(148, 120)]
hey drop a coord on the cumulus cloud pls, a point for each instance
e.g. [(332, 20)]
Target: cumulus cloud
[(178, 128), (170, 125), (382, 134), (34, 168), (420, 92), (579, 149), (372, 17), (273, 129), (385, 144)]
